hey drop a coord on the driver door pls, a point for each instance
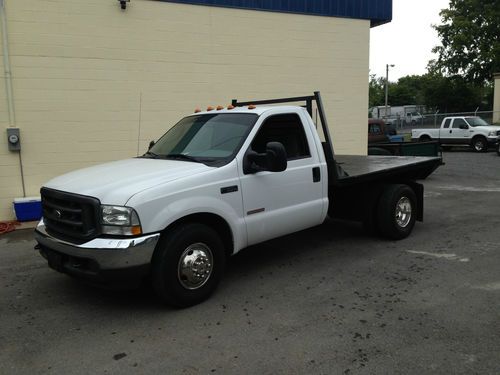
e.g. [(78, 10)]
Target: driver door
[(278, 203), (459, 130)]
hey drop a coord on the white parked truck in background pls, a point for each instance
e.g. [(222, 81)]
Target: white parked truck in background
[(398, 115), (472, 131), (215, 183)]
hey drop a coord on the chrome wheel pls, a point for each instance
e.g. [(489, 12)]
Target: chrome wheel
[(195, 266), (403, 212), (479, 145)]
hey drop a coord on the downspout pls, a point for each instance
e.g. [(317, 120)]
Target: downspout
[(8, 81), (6, 65)]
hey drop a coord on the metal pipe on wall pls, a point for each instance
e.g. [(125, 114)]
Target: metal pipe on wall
[(6, 65), (8, 82)]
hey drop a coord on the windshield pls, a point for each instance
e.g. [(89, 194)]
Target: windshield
[(208, 138), (476, 121)]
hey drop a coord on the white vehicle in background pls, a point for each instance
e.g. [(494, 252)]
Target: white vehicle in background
[(459, 130), (405, 114)]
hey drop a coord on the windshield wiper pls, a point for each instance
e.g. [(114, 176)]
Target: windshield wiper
[(182, 157), (151, 154)]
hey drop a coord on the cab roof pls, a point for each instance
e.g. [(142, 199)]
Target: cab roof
[(258, 110)]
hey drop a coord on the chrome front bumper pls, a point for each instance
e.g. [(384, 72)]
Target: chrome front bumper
[(106, 253)]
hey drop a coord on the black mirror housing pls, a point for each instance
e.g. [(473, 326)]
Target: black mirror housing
[(151, 144), (276, 157), (464, 127), (273, 160)]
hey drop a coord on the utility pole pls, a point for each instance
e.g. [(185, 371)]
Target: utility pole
[(387, 86)]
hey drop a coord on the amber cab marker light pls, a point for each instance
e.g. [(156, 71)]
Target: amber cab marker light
[(220, 108), (251, 106), (210, 108), (197, 110), (230, 107)]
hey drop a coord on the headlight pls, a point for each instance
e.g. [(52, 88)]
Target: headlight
[(492, 134), (119, 220)]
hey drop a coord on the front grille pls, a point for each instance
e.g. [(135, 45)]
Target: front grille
[(70, 217), (498, 132)]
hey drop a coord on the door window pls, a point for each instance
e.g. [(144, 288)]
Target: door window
[(374, 129), (459, 122), (286, 129), (447, 123)]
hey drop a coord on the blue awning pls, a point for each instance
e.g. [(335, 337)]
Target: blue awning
[(377, 11)]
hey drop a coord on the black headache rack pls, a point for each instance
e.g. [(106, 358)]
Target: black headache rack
[(335, 171)]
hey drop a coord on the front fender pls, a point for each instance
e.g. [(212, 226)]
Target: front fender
[(156, 217)]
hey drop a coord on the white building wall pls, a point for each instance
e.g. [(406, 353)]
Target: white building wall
[(496, 100), (93, 83)]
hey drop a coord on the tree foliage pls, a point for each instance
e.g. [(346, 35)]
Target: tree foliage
[(376, 90), (434, 91), (470, 40)]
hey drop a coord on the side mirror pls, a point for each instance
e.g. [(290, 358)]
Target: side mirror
[(273, 160), (464, 126), (151, 144), (276, 157)]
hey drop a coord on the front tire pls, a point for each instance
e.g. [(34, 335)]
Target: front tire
[(188, 264), (479, 144), (498, 149), (396, 212)]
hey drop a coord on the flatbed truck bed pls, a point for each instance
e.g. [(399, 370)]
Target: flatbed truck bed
[(365, 169)]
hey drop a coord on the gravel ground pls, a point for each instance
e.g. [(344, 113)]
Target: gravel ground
[(329, 300)]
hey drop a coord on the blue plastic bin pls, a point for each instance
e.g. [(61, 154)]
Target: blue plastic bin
[(28, 209)]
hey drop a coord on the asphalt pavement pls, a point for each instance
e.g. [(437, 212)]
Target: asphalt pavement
[(329, 300)]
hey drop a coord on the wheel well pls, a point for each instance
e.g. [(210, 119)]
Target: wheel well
[(425, 136), (213, 221), (478, 136)]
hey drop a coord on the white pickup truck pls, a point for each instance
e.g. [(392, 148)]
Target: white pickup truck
[(473, 131), (215, 183)]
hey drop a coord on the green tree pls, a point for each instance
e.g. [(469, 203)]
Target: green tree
[(408, 90), (470, 40), (451, 94), (376, 91), (437, 92)]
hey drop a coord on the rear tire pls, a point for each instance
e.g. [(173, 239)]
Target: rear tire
[(188, 264), (480, 144), (396, 212), (498, 149)]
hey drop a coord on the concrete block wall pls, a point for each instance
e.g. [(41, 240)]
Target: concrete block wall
[(93, 83)]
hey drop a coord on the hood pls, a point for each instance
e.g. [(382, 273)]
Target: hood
[(489, 128), (116, 182)]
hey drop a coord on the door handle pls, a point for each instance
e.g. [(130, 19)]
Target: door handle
[(316, 174)]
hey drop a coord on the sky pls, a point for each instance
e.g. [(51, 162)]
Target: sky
[(406, 41)]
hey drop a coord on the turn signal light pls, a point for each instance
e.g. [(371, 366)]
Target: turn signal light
[(210, 108), (251, 106), (230, 107), (136, 230), (220, 108), (197, 110)]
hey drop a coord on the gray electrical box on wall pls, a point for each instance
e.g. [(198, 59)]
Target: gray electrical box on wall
[(13, 139)]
